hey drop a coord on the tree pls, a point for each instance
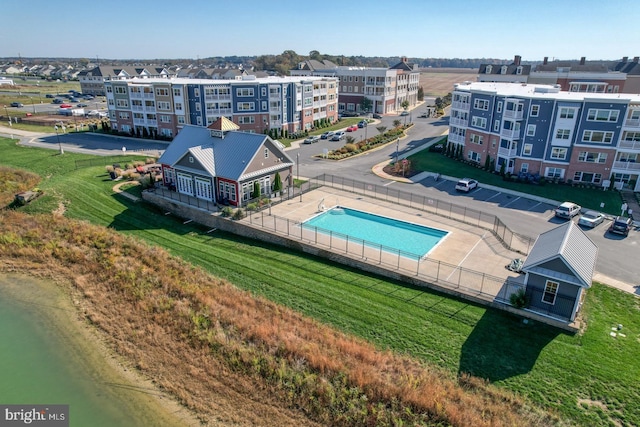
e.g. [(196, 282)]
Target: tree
[(487, 162), (256, 190), (396, 123), (314, 54), (502, 169), (404, 104), (350, 139), (366, 104), (439, 103), (420, 94), (381, 129), (277, 183)]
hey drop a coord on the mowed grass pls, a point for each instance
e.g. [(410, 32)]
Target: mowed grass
[(588, 198), (589, 378)]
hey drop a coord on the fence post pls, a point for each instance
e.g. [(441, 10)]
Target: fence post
[(482, 284), (418, 267)]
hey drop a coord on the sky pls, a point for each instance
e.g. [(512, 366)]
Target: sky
[(195, 29)]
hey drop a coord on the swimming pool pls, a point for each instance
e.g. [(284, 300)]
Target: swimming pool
[(409, 239)]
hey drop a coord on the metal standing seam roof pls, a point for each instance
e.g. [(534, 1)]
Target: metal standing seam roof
[(569, 243), (226, 157)]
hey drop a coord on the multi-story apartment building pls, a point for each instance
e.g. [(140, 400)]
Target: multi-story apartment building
[(92, 81), (515, 72), (387, 88), (159, 106), (539, 129)]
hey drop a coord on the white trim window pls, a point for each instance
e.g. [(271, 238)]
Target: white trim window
[(598, 115), (535, 110), (524, 167), (527, 149), (499, 107), (588, 157), (473, 156), (479, 122), (476, 139), (481, 104), (531, 130), (245, 91), (554, 173), (558, 153), (597, 136), (496, 125), (246, 106), (566, 113), (550, 292), (203, 188), (563, 133)]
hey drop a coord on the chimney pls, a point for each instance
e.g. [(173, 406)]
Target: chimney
[(625, 59), (404, 59), (582, 60), (636, 59), (546, 60), (516, 60)]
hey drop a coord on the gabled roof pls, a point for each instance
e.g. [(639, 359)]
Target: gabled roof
[(569, 244), (223, 124), (226, 157), (512, 69), (404, 65)]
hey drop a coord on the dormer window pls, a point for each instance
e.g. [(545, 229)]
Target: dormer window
[(503, 69), (519, 70), (488, 69)]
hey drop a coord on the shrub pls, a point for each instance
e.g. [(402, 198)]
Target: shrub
[(519, 299), (238, 214), (227, 211), (350, 148), (252, 206)]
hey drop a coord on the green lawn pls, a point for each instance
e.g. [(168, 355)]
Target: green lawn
[(551, 368), (342, 123), (588, 198)]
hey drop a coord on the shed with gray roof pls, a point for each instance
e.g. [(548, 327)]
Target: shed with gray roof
[(558, 270)]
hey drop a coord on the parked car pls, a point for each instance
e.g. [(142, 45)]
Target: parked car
[(65, 105), (621, 225), (102, 114), (352, 128), (82, 105), (404, 113), (567, 210), (49, 96), (57, 101), (93, 113), (88, 97), (377, 116), (591, 219), (349, 114), (466, 185), (311, 139), (338, 136), (362, 123), (327, 135), (17, 104)]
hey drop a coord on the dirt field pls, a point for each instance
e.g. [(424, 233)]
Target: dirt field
[(440, 81)]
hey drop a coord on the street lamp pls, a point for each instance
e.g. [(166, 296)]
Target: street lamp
[(33, 105), (58, 136), (298, 173), (397, 147)]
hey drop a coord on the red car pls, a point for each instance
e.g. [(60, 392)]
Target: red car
[(352, 128), (65, 105)]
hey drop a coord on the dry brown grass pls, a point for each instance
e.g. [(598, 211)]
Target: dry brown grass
[(13, 181), (220, 350), (439, 81)]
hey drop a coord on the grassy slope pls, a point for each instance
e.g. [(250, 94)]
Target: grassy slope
[(552, 369)]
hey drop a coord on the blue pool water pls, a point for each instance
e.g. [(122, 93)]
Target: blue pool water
[(413, 240)]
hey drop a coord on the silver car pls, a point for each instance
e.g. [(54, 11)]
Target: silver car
[(591, 219)]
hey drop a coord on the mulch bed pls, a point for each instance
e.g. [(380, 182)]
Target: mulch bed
[(391, 170)]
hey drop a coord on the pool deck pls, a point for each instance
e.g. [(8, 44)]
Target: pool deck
[(466, 246)]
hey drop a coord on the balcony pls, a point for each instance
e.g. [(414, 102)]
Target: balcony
[(507, 152), (458, 121), (510, 133), (148, 95), (626, 166), (629, 145), (512, 114), (465, 106), (152, 122), (217, 97), (632, 123), (457, 139)]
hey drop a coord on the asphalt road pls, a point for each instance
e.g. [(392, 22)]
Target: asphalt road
[(617, 256)]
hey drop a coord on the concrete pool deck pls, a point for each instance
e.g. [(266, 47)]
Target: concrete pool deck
[(466, 246)]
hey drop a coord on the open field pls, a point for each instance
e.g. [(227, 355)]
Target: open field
[(588, 379), (439, 81)]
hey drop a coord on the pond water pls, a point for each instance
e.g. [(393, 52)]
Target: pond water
[(46, 358)]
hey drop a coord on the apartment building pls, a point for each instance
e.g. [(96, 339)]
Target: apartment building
[(387, 88), (540, 129), (162, 106), (92, 81)]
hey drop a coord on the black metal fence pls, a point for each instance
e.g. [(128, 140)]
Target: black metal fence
[(186, 199), (107, 161), (511, 240), (441, 273)]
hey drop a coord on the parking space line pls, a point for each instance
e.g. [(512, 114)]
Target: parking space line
[(495, 195), (388, 183), (536, 205), (517, 198)]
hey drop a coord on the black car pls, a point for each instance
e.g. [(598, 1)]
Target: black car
[(17, 104), (57, 101), (621, 225), (349, 114)]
